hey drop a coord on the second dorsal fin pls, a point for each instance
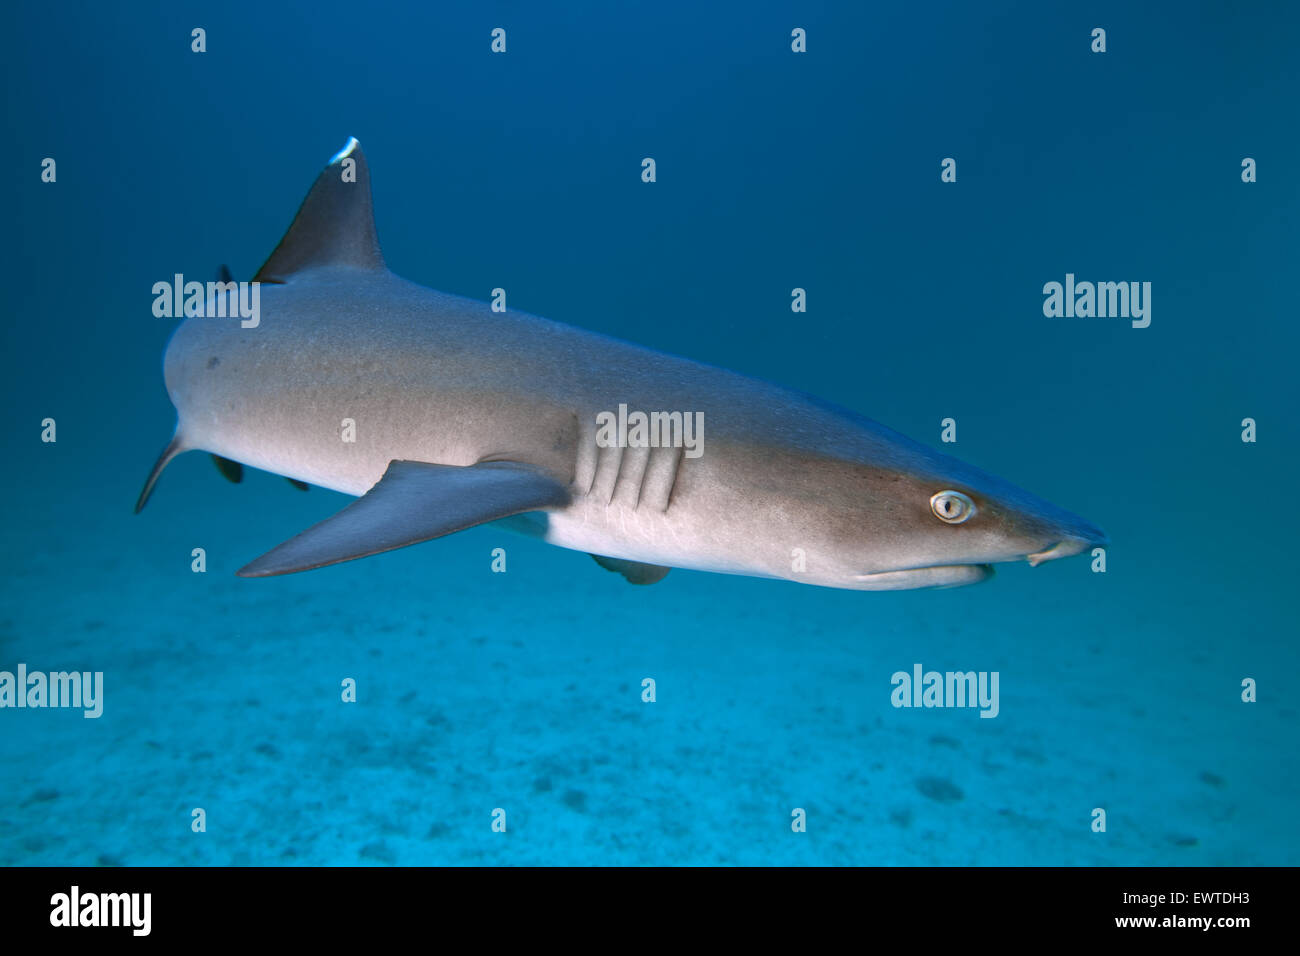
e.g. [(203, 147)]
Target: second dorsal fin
[(335, 225)]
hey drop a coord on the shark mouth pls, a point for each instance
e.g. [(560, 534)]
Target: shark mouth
[(936, 576), (958, 575)]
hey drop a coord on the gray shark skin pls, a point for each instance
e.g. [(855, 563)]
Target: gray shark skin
[(464, 415)]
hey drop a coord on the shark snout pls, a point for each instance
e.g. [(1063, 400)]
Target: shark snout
[(1082, 537)]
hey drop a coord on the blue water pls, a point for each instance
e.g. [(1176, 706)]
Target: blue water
[(521, 691)]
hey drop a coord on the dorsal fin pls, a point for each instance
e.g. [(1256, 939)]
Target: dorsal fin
[(335, 225)]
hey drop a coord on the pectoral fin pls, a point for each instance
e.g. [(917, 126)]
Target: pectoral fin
[(413, 502), (636, 572)]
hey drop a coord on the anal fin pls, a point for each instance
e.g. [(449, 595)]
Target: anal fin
[(636, 572), (232, 471)]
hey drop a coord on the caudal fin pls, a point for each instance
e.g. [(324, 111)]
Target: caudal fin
[(174, 448)]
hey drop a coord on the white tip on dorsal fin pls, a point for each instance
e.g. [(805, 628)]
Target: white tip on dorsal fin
[(335, 225)]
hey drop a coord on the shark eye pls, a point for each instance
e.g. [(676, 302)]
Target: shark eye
[(952, 507)]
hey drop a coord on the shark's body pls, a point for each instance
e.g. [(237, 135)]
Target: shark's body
[(470, 415)]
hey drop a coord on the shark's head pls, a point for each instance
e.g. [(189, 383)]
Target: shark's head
[(951, 532), (917, 519)]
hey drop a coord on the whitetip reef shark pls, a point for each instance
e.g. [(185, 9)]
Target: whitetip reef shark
[(464, 415)]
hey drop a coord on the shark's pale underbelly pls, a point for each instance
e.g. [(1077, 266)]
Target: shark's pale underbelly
[(640, 535)]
